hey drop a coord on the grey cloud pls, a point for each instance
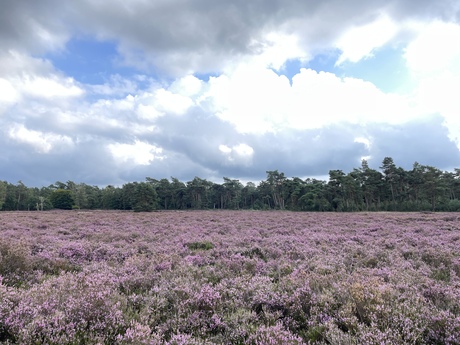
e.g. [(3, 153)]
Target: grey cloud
[(198, 36), (307, 152), (34, 26), (190, 144), (425, 141), (85, 162), (424, 9), (196, 134), (315, 152), (193, 36), (204, 35)]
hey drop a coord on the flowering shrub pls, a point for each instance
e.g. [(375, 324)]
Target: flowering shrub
[(68, 308), (229, 277)]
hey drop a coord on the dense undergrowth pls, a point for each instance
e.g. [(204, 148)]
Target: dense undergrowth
[(229, 277)]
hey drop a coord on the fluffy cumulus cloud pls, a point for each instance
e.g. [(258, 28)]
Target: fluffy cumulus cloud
[(139, 153), (108, 93), (39, 141), (360, 41), (238, 154)]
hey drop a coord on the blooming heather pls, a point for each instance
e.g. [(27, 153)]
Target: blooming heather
[(229, 277)]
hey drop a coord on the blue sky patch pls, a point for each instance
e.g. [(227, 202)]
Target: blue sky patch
[(320, 63), (386, 70), (90, 61)]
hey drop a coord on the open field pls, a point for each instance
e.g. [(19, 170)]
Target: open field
[(229, 277)]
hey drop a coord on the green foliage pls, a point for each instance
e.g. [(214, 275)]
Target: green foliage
[(424, 188), (14, 262), (140, 197), (205, 245), (62, 199), (2, 193), (255, 252), (145, 198)]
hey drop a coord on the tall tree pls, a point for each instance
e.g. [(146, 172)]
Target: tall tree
[(198, 192), (164, 191), (276, 182), (112, 198), (415, 180), (353, 193), (433, 185), (2, 193), (336, 189), (22, 197), (372, 183), (249, 195), (314, 196), (391, 176), (232, 193), (179, 194), (144, 197), (293, 190), (62, 199)]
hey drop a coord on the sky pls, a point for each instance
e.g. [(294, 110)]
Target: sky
[(109, 92)]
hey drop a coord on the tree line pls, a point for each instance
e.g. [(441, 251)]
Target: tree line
[(424, 188)]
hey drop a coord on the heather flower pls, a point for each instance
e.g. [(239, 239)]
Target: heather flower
[(274, 335), (229, 278)]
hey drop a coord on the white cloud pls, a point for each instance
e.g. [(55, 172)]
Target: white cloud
[(148, 112), (8, 95), (260, 101), (49, 87), (14, 64), (117, 86), (240, 154), (187, 86), (360, 41), (365, 141), (125, 104), (41, 142), (139, 153), (277, 48), (147, 105), (254, 99), (243, 150), (225, 149), (24, 79), (433, 58), (439, 95), (436, 49), (169, 102)]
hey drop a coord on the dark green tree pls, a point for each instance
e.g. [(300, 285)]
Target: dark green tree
[(145, 197), (217, 196), (249, 195), (335, 190), (372, 185), (111, 198), (198, 193), (62, 199), (314, 196), (164, 191), (232, 193), (179, 194), (276, 182), (391, 177), (2, 193)]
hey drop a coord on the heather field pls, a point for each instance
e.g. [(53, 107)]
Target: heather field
[(229, 277)]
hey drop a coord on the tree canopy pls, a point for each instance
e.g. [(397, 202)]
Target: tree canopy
[(62, 199), (392, 188)]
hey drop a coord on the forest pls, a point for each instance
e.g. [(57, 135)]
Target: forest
[(423, 188)]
